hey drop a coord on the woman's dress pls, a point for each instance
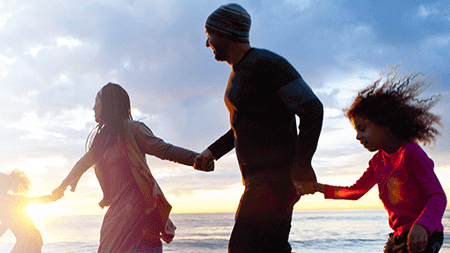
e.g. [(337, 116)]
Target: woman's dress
[(138, 213)]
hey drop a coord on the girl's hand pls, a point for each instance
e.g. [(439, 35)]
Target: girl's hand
[(417, 238)]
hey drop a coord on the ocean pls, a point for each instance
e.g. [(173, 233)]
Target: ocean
[(312, 231)]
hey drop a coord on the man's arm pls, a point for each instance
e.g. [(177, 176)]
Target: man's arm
[(311, 118), (222, 145), (299, 98)]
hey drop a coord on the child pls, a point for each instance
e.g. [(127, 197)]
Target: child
[(13, 211), (390, 119)]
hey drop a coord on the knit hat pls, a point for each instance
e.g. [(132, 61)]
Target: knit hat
[(230, 20)]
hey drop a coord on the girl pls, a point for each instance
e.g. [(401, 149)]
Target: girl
[(138, 213), (13, 211), (390, 119)]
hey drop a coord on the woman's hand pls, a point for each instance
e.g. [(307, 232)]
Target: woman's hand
[(59, 192)]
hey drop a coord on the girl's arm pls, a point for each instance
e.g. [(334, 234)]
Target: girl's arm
[(422, 167), (3, 229), (354, 192)]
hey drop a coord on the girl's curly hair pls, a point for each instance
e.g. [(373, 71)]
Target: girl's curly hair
[(394, 104), (16, 182)]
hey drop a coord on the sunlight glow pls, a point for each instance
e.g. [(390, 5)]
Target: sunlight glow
[(41, 212), (225, 200)]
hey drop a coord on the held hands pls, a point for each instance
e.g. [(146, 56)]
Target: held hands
[(59, 192), (51, 198), (304, 188), (204, 161), (417, 239)]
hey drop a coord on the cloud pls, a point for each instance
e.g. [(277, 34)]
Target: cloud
[(425, 11)]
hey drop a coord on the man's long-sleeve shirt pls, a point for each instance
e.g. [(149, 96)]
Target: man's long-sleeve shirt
[(263, 95)]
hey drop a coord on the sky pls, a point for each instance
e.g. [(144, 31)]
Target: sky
[(56, 55)]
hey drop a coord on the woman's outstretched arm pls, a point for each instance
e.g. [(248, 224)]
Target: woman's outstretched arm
[(152, 145), (74, 175)]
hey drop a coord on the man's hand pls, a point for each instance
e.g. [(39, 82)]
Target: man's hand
[(204, 161), (417, 238), (304, 188)]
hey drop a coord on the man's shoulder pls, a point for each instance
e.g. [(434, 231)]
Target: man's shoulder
[(261, 52), (264, 57)]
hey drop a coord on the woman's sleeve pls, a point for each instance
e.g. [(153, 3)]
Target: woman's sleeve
[(431, 216), (85, 162), (152, 145), (354, 192)]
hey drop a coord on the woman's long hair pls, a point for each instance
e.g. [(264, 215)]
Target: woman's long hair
[(115, 111)]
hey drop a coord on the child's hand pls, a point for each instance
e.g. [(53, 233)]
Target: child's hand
[(417, 239)]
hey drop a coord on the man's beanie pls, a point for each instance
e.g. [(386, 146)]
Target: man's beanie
[(230, 20)]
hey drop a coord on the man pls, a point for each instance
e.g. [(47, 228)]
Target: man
[(263, 95)]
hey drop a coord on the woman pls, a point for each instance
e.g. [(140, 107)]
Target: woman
[(138, 213)]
